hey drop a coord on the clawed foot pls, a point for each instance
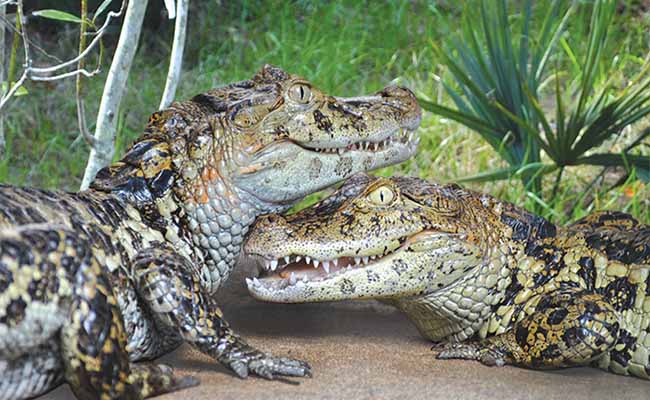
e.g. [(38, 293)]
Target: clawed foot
[(469, 351), (268, 367)]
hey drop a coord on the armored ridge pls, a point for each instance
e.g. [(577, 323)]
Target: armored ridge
[(485, 279), (128, 270)]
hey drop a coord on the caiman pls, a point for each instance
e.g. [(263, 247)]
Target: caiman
[(125, 271), (480, 277)]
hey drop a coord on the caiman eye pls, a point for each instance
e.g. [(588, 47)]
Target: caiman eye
[(382, 196), (300, 93)]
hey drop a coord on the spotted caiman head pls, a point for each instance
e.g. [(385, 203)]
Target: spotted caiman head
[(293, 140), (377, 238)]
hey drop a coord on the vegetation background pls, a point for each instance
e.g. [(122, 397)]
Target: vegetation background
[(344, 47)]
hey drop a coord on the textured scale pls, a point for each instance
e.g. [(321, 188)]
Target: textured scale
[(485, 279), (91, 282)]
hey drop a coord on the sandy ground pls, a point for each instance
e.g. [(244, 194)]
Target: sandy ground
[(366, 350)]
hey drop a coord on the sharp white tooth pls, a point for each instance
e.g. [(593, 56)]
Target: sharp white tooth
[(357, 260), (287, 259), (365, 259), (326, 266), (373, 257), (256, 281), (367, 145), (376, 146), (274, 265), (308, 260), (316, 262), (300, 284), (267, 265), (335, 262), (249, 282), (341, 150), (292, 278), (298, 258)]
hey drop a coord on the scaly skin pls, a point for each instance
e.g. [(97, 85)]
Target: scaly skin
[(484, 279), (92, 281)]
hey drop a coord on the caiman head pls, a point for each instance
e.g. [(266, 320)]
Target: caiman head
[(280, 138), (377, 238), (254, 147)]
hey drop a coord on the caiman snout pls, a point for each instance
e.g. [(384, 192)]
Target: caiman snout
[(404, 101), (401, 92)]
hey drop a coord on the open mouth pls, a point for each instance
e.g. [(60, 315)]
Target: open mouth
[(402, 136), (299, 269)]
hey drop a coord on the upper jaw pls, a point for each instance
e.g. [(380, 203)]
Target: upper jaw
[(373, 144)]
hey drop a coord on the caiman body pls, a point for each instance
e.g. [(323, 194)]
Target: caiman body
[(484, 279), (125, 271)]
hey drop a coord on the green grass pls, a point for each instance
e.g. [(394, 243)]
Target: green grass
[(345, 48)]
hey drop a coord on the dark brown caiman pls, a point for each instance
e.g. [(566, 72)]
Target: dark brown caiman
[(125, 271), (486, 280)]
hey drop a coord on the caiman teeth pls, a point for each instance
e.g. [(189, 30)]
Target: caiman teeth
[(403, 136), (301, 269)]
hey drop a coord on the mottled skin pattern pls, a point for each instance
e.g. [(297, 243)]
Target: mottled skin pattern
[(92, 281), (482, 278)]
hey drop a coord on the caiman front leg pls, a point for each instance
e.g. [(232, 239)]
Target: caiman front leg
[(567, 328), (165, 280)]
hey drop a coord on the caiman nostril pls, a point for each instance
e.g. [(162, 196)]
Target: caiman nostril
[(397, 91)]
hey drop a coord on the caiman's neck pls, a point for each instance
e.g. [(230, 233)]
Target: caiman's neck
[(459, 311), (485, 301), (218, 222)]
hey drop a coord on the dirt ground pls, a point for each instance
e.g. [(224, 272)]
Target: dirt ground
[(366, 350)]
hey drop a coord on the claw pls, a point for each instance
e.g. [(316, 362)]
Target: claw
[(269, 367), (240, 368)]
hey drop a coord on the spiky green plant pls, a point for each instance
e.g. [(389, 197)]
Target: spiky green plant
[(496, 91)]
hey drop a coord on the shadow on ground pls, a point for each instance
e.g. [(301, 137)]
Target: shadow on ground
[(366, 350)]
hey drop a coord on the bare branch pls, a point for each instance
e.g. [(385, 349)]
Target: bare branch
[(65, 75), (169, 5), (176, 58), (44, 73)]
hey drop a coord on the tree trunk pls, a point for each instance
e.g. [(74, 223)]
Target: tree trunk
[(102, 153), (176, 58)]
